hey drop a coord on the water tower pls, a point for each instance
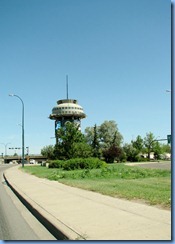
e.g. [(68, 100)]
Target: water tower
[(66, 110)]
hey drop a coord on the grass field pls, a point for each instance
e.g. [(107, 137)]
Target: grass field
[(151, 186)]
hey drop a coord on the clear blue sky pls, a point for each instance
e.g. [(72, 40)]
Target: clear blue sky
[(117, 54)]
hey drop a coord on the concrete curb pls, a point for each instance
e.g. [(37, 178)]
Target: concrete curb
[(58, 229)]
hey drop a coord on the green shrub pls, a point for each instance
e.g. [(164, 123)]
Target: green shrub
[(55, 163), (83, 163), (77, 163)]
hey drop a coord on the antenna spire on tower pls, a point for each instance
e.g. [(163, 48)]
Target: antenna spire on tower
[(67, 85)]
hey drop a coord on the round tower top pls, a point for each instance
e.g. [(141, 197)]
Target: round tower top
[(67, 101), (67, 108)]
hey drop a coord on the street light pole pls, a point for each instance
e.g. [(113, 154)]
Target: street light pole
[(13, 95), (5, 145)]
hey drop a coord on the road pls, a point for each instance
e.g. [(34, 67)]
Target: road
[(153, 165), (16, 222)]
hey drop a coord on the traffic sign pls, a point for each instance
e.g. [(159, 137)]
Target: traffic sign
[(169, 138)]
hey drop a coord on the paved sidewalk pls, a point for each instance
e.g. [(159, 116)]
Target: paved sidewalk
[(85, 215)]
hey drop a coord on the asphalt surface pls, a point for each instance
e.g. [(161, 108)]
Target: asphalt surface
[(16, 222), (153, 165)]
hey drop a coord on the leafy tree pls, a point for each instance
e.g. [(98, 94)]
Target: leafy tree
[(157, 150), (82, 150), (131, 152), (149, 143), (160, 150), (166, 148), (70, 141), (89, 134), (59, 152), (138, 144), (112, 153), (109, 134), (104, 137), (134, 149), (48, 151)]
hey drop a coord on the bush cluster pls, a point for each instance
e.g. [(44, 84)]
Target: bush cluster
[(55, 163), (77, 163)]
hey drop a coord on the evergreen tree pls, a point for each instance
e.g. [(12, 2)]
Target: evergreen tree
[(95, 143)]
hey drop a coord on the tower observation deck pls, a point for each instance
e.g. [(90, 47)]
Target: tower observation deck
[(67, 110)]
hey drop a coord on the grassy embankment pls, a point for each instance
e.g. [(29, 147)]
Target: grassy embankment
[(152, 186)]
